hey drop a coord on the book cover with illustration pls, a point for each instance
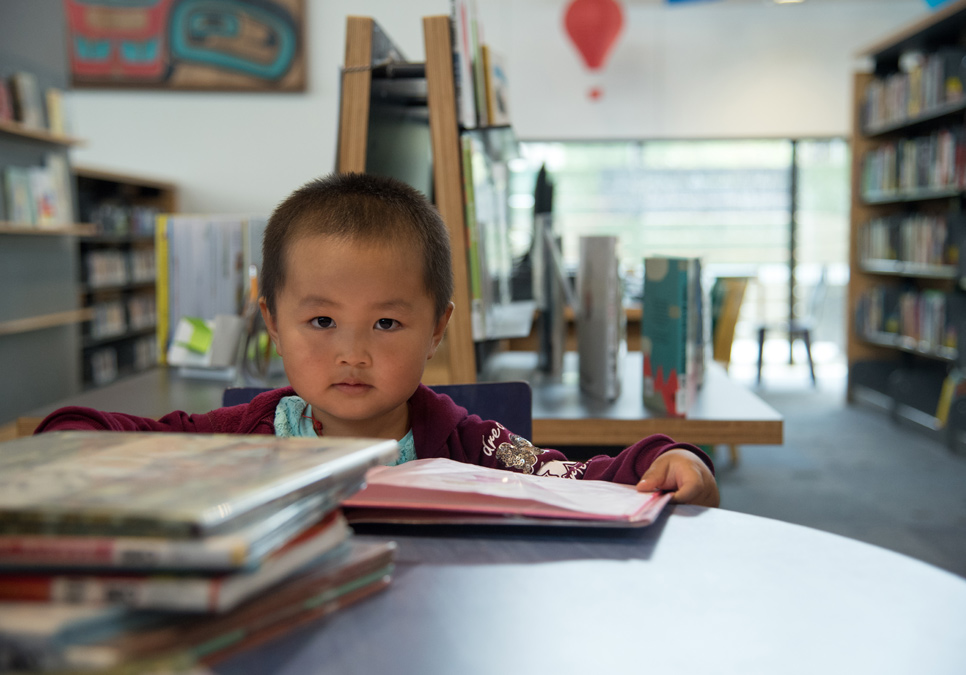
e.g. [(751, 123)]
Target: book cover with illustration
[(443, 491), (671, 334), (174, 485)]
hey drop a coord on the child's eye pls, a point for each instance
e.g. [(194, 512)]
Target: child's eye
[(322, 322), (386, 324)]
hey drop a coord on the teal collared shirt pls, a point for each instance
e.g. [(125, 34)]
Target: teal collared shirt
[(293, 419)]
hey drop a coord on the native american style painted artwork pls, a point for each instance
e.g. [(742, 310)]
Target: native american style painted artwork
[(227, 45)]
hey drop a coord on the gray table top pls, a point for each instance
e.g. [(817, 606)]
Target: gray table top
[(701, 591)]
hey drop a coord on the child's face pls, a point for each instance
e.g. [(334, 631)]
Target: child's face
[(355, 325)]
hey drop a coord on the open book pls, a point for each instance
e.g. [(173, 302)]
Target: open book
[(442, 491)]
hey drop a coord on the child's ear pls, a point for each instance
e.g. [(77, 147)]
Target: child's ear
[(270, 324), (440, 328)]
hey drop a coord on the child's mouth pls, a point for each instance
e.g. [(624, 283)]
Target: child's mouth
[(352, 387)]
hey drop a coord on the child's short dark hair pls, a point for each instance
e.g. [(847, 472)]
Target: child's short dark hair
[(359, 207)]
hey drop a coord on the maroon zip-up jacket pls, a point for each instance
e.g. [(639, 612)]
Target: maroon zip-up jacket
[(440, 429)]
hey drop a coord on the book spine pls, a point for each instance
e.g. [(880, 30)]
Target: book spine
[(178, 593), (74, 552), (477, 306)]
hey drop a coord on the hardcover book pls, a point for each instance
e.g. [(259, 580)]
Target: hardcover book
[(443, 491), (26, 99), (171, 485), (243, 548), (56, 636), (18, 197), (463, 64), (6, 102), (497, 87), (179, 592), (672, 329)]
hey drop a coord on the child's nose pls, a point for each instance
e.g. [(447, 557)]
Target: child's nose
[(353, 348)]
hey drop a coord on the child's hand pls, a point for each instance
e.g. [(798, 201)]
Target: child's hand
[(683, 473)]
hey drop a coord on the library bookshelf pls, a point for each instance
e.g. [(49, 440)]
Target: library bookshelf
[(118, 271), (907, 307)]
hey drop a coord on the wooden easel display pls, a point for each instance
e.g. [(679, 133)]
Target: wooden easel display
[(368, 51)]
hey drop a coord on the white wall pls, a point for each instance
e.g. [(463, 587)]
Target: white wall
[(733, 68)]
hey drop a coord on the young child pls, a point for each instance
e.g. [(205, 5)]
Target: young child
[(356, 282)]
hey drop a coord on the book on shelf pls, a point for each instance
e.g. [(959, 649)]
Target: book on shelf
[(28, 109), (936, 163), (672, 327), (172, 485), (443, 491), (178, 592), (497, 87), (927, 83), (463, 62), (59, 180), (18, 196), (56, 117), (6, 102), (920, 238), (473, 249), (39, 195), (56, 636), (479, 73)]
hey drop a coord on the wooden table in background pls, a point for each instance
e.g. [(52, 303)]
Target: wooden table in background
[(725, 411)]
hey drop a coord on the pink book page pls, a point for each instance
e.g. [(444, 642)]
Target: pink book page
[(446, 485)]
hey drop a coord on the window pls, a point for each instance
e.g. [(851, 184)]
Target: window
[(733, 203)]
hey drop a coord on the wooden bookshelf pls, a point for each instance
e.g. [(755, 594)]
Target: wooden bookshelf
[(887, 361), (32, 323), (12, 128), (367, 49), (73, 230), (126, 293)]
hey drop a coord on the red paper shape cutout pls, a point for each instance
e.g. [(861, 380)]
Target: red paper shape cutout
[(593, 26)]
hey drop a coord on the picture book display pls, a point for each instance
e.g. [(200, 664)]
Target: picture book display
[(445, 491), (672, 330), (601, 320), (172, 485)]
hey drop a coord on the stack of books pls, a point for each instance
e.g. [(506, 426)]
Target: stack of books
[(127, 549)]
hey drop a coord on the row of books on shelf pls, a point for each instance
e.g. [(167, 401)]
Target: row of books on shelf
[(927, 319), (125, 550), (921, 238), (117, 317), (38, 195), (22, 101), (935, 162), (927, 82), (107, 363), (480, 72), (125, 220), (113, 267)]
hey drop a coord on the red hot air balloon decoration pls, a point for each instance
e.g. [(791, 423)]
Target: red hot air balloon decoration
[(593, 26)]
